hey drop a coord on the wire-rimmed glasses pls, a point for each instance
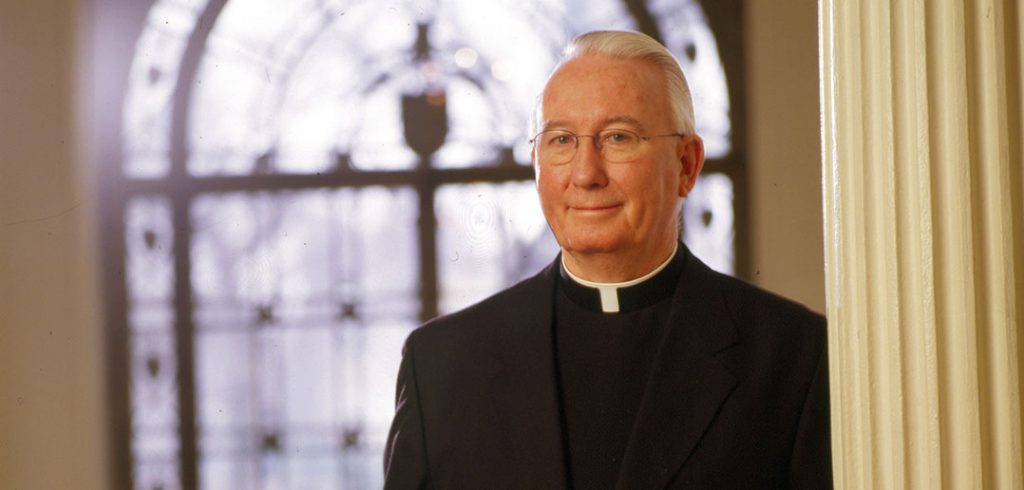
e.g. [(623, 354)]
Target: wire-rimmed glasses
[(558, 146)]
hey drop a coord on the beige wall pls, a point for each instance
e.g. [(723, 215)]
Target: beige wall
[(52, 425), (785, 149), (52, 433)]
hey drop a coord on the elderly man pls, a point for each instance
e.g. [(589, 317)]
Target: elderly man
[(627, 363)]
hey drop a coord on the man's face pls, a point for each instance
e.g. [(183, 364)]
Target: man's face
[(627, 209)]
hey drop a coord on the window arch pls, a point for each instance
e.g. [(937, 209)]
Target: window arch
[(302, 183)]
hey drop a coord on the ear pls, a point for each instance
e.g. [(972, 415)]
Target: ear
[(690, 152)]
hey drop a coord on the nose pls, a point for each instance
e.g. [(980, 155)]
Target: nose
[(587, 166)]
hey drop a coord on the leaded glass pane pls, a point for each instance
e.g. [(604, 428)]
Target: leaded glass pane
[(708, 222), (378, 144), (155, 444), (289, 88), (489, 237), (158, 475), (469, 138), (154, 392), (154, 72), (302, 302), (149, 271), (222, 138), (218, 471), (149, 238), (313, 471)]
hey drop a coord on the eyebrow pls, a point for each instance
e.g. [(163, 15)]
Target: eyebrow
[(623, 119), (604, 124)]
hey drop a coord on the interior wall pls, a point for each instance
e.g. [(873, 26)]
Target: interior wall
[(784, 163), (52, 425)]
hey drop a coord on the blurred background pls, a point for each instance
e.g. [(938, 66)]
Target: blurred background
[(220, 219)]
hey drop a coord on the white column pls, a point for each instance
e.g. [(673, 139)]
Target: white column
[(924, 233)]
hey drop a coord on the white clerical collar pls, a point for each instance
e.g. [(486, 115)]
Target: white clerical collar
[(609, 291)]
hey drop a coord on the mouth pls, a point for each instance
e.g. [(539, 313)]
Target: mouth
[(594, 207)]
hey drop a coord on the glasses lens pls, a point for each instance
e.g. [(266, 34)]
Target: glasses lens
[(618, 145), (556, 146)]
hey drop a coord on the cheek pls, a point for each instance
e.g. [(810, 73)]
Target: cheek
[(543, 190), (654, 195), (550, 196), (549, 184)]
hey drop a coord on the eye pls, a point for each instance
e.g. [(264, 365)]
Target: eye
[(618, 137), (560, 139)]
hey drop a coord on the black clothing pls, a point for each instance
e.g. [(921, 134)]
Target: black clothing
[(736, 394)]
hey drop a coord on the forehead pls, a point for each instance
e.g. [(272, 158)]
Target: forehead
[(596, 88)]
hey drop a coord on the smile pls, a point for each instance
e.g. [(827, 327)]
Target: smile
[(594, 208)]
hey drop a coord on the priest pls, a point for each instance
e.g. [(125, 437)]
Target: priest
[(627, 363)]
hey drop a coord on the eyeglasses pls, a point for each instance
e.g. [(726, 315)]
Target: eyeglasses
[(558, 146)]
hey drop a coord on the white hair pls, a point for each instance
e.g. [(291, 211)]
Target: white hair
[(633, 46)]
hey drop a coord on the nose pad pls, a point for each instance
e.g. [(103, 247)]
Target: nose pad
[(588, 165), (594, 142), (587, 150)]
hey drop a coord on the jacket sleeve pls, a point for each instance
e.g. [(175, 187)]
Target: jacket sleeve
[(405, 454), (811, 464)]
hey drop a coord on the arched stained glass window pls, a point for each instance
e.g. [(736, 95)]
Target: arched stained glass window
[(304, 182)]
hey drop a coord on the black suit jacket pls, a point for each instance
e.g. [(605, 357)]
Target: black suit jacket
[(737, 398)]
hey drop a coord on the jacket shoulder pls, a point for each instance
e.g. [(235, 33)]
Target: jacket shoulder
[(749, 304), (774, 333), (480, 319)]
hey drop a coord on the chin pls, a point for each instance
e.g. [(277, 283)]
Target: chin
[(588, 244)]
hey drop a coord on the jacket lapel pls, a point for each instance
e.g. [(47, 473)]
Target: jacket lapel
[(687, 384), (525, 398)]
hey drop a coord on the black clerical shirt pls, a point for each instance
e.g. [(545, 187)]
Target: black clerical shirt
[(604, 361)]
